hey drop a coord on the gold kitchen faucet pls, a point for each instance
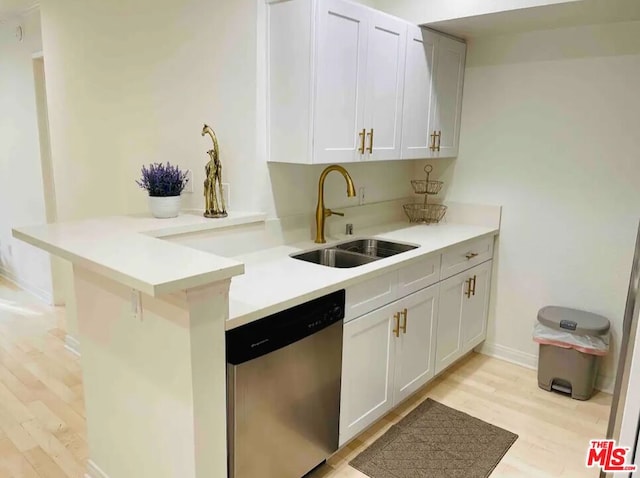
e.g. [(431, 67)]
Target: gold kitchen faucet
[(322, 212)]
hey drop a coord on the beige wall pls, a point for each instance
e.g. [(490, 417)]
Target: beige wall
[(550, 131), (22, 199), (139, 85)]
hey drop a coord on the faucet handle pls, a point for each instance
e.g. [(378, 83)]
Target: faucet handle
[(334, 213)]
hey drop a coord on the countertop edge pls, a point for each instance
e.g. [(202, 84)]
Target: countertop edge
[(154, 289)]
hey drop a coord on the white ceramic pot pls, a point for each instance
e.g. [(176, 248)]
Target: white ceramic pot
[(164, 207)]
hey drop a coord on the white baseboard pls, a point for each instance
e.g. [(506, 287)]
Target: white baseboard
[(40, 293), (509, 355), (72, 345), (94, 471), (604, 383)]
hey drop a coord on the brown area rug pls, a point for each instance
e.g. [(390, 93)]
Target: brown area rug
[(435, 441)]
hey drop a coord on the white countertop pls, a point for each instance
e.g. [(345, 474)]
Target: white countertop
[(273, 281), (126, 249)]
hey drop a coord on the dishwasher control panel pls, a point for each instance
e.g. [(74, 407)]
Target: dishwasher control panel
[(283, 328)]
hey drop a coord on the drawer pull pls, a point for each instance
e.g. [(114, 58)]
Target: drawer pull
[(396, 331), (403, 327), (471, 255)]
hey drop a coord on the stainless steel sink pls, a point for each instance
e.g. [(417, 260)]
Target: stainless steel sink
[(332, 257), (375, 247), (353, 253)]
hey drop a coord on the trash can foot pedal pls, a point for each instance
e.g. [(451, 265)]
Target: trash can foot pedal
[(561, 386)]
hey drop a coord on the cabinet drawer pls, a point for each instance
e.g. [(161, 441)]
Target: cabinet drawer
[(418, 275), (369, 295), (463, 257)]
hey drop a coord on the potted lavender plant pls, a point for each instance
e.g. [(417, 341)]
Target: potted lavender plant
[(164, 183)]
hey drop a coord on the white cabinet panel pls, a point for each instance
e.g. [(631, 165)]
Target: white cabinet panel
[(415, 349), (340, 87), (449, 76), (418, 275), (369, 295), (418, 94), (475, 309), (462, 314), (466, 256), (448, 337), (385, 77), (368, 361)]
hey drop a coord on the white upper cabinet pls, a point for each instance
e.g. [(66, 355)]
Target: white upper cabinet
[(417, 129), (384, 87), (449, 77), (340, 81), (349, 83), (432, 95)]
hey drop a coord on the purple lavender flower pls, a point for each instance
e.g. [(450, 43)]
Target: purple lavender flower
[(163, 180)]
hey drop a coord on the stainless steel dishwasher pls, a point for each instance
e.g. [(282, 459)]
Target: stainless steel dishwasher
[(283, 390)]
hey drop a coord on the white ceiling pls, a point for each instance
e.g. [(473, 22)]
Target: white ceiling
[(9, 8), (585, 12)]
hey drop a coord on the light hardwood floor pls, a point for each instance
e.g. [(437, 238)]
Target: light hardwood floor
[(43, 430)]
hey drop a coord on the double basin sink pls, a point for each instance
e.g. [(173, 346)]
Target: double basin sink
[(353, 253)]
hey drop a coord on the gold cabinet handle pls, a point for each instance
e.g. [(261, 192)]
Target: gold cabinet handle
[(468, 284), (362, 135), (432, 144), (396, 331), (471, 255), (473, 288), (439, 138), (370, 148), (403, 327)]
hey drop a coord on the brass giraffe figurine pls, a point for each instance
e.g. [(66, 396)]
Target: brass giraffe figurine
[(214, 204)]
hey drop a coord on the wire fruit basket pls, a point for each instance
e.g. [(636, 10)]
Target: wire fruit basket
[(423, 212), (420, 186)]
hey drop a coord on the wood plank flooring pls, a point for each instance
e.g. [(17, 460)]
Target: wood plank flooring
[(43, 429)]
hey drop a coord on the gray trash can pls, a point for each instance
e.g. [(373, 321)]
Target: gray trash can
[(571, 344)]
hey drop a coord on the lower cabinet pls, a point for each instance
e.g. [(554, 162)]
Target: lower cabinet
[(388, 354), (392, 351), (462, 317)]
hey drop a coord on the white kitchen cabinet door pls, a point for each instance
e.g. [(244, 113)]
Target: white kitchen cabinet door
[(340, 82), (415, 350), (462, 317), (418, 94), (387, 41), (475, 308), (449, 330), (368, 361), (449, 77)]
